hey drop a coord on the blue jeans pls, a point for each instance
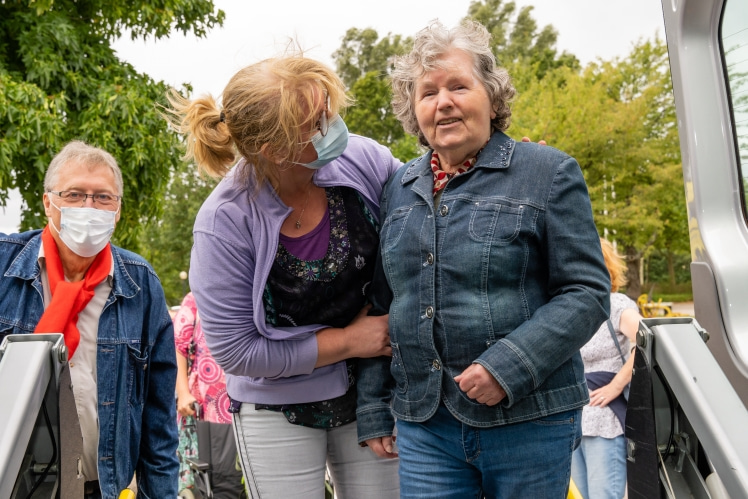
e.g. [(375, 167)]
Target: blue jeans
[(598, 467), (445, 458)]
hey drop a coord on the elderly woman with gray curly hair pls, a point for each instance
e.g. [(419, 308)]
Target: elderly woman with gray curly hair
[(491, 271)]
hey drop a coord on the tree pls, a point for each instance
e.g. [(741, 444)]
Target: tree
[(167, 241), (617, 119), (668, 191), (656, 188), (364, 62), (516, 39), (362, 52), (60, 80)]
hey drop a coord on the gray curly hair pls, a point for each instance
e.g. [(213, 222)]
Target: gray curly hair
[(429, 45)]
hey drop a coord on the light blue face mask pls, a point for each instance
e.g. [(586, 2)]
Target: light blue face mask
[(330, 146)]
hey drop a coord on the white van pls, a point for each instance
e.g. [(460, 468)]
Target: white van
[(687, 422)]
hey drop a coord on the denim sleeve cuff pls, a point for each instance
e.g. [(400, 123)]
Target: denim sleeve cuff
[(374, 421), (517, 377)]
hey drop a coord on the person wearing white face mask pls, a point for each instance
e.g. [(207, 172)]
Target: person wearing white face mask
[(110, 307), (86, 231), (284, 249)]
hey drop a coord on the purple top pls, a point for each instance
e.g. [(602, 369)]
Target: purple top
[(235, 239), (311, 246)]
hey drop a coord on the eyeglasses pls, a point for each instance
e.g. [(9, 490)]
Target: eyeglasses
[(76, 197), (322, 124)]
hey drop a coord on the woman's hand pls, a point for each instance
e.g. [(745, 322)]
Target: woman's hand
[(602, 396), (368, 335), (479, 385), (365, 337), (185, 403), (527, 139), (382, 447)]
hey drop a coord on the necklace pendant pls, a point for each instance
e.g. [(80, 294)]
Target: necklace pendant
[(298, 224)]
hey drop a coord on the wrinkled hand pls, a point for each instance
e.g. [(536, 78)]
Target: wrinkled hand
[(369, 335), (604, 395), (382, 447), (479, 385), (185, 405), (527, 139)]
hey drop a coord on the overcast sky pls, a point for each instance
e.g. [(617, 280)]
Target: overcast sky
[(253, 31), (589, 29)]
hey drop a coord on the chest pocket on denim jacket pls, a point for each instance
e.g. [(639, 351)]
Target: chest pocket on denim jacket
[(495, 222), (138, 368), (394, 226)]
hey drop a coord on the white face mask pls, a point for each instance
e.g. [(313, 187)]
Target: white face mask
[(85, 230)]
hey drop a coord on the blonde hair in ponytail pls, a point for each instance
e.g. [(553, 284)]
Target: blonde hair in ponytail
[(207, 140), (265, 114)]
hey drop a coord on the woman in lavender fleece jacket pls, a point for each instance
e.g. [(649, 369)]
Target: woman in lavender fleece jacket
[(284, 250)]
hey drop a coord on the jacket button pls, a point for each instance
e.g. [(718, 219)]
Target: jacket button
[(444, 210), (429, 312), (430, 258), (436, 365)]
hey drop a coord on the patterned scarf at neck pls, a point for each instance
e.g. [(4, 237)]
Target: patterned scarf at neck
[(69, 298), (441, 177)]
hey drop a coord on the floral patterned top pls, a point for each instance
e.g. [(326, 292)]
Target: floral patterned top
[(207, 381), (328, 291), (601, 354)]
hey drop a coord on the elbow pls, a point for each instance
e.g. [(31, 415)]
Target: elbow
[(255, 361), (241, 362)]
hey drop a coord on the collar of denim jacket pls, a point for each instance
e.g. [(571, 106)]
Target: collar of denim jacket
[(496, 154)]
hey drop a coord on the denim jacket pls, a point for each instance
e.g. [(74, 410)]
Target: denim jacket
[(506, 272), (136, 364)]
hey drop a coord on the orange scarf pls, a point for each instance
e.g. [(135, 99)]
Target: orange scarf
[(69, 298)]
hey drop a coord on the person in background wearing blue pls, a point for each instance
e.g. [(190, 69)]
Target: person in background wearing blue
[(492, 274), (110, 306), (284, 250), (598, 465)]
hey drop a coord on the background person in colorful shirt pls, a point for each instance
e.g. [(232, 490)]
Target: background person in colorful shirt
[(201, 381)]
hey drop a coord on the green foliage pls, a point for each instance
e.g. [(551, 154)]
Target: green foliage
[(658, 266), (516, 39), (362, 52), (375, 119), (60, 80), (617, 119), (363, 62), (167, 241)]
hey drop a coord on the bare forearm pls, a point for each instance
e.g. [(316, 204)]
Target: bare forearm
[(366, 336), (332, 346), (623, 377), (182, 379)]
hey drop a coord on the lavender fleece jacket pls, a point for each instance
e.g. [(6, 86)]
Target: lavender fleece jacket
[(235, 241)]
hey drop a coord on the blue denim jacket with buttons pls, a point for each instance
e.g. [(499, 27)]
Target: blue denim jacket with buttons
[(506, 271), (135, 360)]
